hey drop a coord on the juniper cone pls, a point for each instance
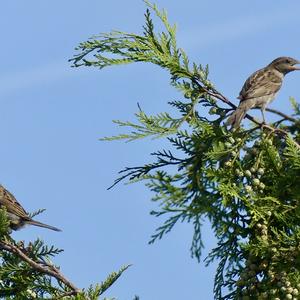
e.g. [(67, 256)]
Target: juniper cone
[(261, 88), (17, 215)]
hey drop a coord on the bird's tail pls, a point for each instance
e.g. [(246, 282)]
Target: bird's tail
[(39, 224), (238, 115)]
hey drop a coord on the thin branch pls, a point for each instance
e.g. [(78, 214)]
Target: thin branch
[(41, 267), (137, 172), (280, 131), (277, 112), (214, 93)]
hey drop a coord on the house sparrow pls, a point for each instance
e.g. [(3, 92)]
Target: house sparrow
[(261, 88)]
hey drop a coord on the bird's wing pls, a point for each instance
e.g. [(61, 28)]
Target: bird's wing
[(11, 204), (261, 83)]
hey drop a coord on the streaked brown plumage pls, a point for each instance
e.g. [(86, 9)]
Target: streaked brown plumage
[(261, 88), (16, 213)]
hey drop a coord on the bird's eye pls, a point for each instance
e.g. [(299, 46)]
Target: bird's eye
[(287, 61)]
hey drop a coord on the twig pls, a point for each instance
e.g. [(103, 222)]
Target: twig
[(41, 267), (277, 123), (214, 93), (283, 132), (277, 112)]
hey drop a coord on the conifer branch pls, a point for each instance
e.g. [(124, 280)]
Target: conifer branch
[(245, 182), (40, 266)]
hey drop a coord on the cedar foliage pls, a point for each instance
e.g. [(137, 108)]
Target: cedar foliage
[(246, 183), (20, 279)]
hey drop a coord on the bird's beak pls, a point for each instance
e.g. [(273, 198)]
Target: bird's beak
[(295, 67)]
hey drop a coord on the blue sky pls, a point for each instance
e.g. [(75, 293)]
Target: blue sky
[(53, 116)]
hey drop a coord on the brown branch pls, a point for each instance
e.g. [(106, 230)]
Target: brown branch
[(280, 131), (279, 113), (42, 267), (214, 93)]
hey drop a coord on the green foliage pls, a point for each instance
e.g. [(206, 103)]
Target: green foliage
[(19, 279), (246, 183), (4, 223), (94, 292), (27, 272)]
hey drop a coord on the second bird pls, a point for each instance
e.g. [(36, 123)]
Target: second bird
[(17, 215), (261, 88)]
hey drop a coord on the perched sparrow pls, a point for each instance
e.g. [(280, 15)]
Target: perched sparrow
[(17, 216), (261, 88)]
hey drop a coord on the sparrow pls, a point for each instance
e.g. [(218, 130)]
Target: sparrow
[(261, 88), (16, 214)]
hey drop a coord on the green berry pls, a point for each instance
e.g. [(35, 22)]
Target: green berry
[(238, 172), (233, 153), (231, 140), (228, 163), (295, 292), (261, 171), (255, 181), (248, 188), (213, 111), (187, 95), (248, 173), (261, 186)]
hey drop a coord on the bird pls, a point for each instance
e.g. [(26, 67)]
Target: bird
[(261, 88), (16, 214)]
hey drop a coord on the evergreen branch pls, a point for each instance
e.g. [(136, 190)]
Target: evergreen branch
[(40, 266), (160, 50), (166, 227), (245, 182), (156, 126), (111, 279), (293, 152), (295, 105), (197, 243), (134, 173)]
